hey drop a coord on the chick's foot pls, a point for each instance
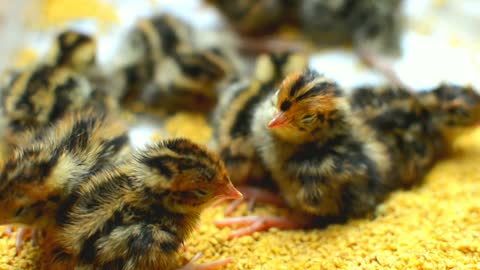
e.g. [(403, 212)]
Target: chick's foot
[(23, 234), (253, 224), (253, 195), (205, 266)]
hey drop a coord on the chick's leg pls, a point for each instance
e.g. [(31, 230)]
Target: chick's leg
[(22, 235), (205, 266), (253, 195), (253, 224), (373, 60)]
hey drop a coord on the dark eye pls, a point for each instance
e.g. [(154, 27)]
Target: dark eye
[(20, 211), (200, 193), (308, 119)]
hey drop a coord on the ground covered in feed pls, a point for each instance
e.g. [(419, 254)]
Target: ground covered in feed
[(433, 226)]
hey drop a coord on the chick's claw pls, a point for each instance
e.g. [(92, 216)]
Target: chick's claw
[(22, 235), (253, 195), (253, 224), (205, 266), (9, 231)]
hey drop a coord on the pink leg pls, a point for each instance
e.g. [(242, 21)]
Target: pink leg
[(372, 60), (9, 231), (268, 45), (205, 266), (253, 224), (253, 195), (22, 235)]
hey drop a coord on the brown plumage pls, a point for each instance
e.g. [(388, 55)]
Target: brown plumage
[(335, 156)]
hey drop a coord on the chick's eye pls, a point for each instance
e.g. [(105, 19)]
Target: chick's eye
[(307, 119), (200, 193), (20, 211)]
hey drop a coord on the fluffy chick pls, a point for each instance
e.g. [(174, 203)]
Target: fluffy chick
[(254, 17), (233, 115), (335, 156), (43, 94), (452, 105), (318, 152), (162, 65), (145, 46), (365, 23), (373, 28), (138, 214), (189, 80), (41, 172)]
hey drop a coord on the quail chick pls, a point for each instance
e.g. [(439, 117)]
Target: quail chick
[(137, 215), (363, 22), (165, 69), (149, 42), (452, 105), (189, 80), (233, 115), (334, 156), (45, 166), (255, 17), (43, 94), (373, 28)]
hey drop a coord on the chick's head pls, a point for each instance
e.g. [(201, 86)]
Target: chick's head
[(307, 106), (187, 175), (200, 71), (453, 105), (74, 49), (277, 65), (27, 186)]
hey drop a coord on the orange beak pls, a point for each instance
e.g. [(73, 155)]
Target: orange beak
[(278, 120), (228, 191)]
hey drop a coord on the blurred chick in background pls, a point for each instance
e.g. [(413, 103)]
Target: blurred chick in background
[(43, 93), (374, 28), (50, 161), (161, 66)]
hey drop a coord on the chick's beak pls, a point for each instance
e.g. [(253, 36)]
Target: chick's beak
[(279, 119), (228, 191)]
